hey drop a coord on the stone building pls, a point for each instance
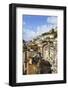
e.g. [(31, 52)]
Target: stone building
[(46, 44)]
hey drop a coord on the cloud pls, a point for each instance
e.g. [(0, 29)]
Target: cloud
[(24, 23), (43, 29), (52, 20), (30, 34)]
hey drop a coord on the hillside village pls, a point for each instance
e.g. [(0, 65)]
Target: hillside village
[(40, 54)]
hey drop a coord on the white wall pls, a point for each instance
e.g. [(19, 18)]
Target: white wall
[(4, 43)]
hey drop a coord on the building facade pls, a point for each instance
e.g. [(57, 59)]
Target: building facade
[(46, 44)]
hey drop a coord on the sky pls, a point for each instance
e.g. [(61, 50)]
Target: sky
[(34, 25)]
